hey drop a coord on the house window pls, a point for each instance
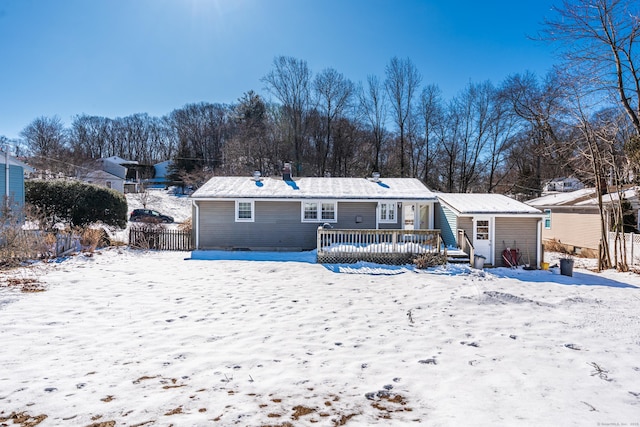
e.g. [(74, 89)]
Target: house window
[(482, 229), (319, 211), (244, 211), (547, 219), (387, 212)]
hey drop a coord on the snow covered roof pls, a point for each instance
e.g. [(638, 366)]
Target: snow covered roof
[(119, 160), (14, 162), (479, 203), (228, 187), (100, 174), (563, 199)]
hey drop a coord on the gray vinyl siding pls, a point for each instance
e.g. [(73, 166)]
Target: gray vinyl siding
[(466, 223), (517, 233), (277, 225), (446, 220), (16, 185)]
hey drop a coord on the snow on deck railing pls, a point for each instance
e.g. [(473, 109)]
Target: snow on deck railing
[(354, 244)]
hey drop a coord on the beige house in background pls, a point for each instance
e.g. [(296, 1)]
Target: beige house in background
[(573, 218)]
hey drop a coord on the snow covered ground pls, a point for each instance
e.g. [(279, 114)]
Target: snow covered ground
[(177, 206), (161, 338)]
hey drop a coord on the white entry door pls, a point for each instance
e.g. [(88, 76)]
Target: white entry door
[(408, 216), (482, 238)]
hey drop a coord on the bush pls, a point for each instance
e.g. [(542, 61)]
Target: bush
[(16, 245), (430, 260), (76, 203)]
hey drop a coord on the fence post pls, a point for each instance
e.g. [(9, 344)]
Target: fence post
[(633, 243)]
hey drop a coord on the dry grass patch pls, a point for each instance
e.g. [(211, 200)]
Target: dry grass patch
[(103, 424), (26, 284), (22, 419)]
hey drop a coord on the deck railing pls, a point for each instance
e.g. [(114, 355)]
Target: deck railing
[(385, 246), (465, 244)]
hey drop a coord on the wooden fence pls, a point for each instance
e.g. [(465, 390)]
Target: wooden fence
[(21, 245), (381, 246), (160, 239)]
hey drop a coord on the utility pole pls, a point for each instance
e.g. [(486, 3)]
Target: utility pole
[(6, 181)]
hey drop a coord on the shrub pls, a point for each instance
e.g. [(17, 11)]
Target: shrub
[(76, 203), (16, 245), (554, 245), (430, 260), (92, 238)]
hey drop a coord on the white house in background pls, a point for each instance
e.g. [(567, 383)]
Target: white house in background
[(491, 223), (105, 179), (562, 185), (117, 173)]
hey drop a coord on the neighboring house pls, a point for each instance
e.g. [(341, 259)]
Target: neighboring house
[(562, 185), (492, 223), (160, 176), (12, 173), (129, 172), (245, 213), (574, 219), (105, 179)]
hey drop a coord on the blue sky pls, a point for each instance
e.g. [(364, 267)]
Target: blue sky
[(114, 58)]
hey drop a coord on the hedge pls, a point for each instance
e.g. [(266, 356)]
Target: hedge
[(76, 203)]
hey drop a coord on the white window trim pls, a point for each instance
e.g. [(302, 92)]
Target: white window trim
[(395, 210), (547, 216), (318, 217), (253, 211)]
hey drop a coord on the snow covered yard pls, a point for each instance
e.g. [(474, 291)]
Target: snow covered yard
[(154, 339)]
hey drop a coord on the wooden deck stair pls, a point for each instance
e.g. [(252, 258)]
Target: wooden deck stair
[(458, 256)]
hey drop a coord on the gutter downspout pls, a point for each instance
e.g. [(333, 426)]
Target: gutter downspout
[(539, 243), (196, 225)]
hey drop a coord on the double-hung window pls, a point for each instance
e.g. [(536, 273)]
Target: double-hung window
[(387, 212), (547, 219), (244, 211), (319, 211)]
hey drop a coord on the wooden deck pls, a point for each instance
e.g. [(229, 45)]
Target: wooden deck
[(381, 246)]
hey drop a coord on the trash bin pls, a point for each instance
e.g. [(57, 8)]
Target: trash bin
[(478, 261), (566, 267)]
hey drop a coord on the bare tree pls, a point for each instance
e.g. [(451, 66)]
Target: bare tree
[(290, 82), (402, 84), (432, 114), (541, 105), (46, 140), (599, 45), (373, 110), (334, 93)]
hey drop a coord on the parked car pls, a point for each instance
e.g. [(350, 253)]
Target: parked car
[(149, 215)]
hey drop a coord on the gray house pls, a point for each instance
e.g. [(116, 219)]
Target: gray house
[(12, 180), (255, 213), (491, 223)]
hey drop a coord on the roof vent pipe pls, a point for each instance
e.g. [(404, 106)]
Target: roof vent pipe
[(256, 175), (375, 176), (286, 172)]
